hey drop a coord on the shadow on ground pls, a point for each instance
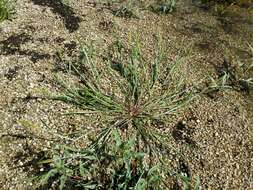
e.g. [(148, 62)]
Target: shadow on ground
[(71, 21), (12, 46)]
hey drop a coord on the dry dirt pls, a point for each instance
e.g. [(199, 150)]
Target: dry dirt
[(217, 134)]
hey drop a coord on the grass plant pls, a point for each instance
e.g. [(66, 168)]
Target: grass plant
[(245, 76), (128, 9), (239, 73), (127, 97), (164, 6), (6, 10)]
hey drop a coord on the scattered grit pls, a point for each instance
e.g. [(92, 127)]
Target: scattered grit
[(221, 127)]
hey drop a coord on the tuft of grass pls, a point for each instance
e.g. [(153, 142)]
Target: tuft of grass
[(113, 165), (127, 92), (128, 9), (128, 98), (239, 74), (6, 9), (245, 78), (66, 2), (187, 183), (164, 6)]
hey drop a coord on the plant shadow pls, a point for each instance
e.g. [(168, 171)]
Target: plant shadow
[(12, 46), (58, 7)]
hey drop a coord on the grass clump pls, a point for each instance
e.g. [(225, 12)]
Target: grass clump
[(127, 9), (6, 10), (240, 74), (164, 6), (111, 164), (128, 90), (128, 98), (245, 74)]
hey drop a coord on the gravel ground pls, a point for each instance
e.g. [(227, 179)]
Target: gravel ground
[(219, 126)]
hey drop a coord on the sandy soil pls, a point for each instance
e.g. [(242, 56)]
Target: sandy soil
[(217, 137)]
